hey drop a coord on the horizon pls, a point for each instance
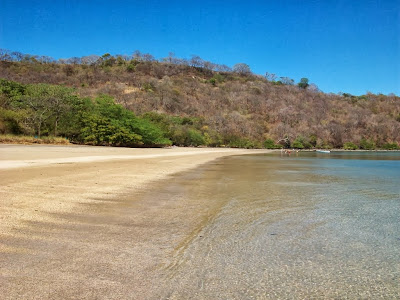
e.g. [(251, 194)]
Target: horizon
[(349, 47)]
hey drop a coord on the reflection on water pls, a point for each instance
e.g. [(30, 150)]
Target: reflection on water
[(306, 226)]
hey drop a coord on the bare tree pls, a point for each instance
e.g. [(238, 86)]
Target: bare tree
[(90, 59), (242, 69), (287, 80), (223, 68), (17, 56), (270, 76), (148, 57), (196, 61), (5, 55)]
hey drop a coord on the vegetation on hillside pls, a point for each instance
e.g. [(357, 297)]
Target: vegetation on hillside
[(53, 110), (184, 102)]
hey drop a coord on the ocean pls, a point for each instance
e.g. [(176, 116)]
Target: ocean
[(275, 226)]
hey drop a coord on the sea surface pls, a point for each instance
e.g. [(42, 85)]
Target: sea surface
[(301, 226)]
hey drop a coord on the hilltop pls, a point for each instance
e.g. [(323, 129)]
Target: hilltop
[(194, 102)]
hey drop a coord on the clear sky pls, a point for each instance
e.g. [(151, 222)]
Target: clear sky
[(341, 45)]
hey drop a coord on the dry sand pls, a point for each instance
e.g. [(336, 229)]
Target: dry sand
[(73, 225)]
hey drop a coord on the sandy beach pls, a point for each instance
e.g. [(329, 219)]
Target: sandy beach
[(64, 228)]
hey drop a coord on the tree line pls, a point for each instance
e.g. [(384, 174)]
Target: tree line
[(131, 61)]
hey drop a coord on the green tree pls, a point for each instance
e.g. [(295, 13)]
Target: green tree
[(194, 138), (108, 123), (270, 144), (390, 146), (36, 100), (301, 143), (366, 144), (349, 146), (303, 83)]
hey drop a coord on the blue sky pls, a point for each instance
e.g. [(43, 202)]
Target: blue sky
[(350, 46)]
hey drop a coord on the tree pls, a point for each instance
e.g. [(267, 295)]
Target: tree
[(303, 84), (287, 81), (270, 76), (313, 88), (242, 69), (107, 60), (74, 61), (137, 55), (108, 123), (48, 104), (46, 59), (17, 56), (170, 58), (209, 65), (196, 61), (367, 144), (148, 57), (270, 144), (5, 55), (36, 100), (222, 68), (59, 100), (90, 59)]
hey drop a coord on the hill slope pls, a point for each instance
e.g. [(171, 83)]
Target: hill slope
[(226, 108)]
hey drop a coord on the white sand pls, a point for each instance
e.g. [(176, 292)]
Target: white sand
[(63, 232)]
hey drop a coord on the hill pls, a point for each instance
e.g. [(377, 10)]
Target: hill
[(195, 102)]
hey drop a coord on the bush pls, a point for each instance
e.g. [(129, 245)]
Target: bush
[(194, 138), (213, 139), (390, 146), (22, 139), (297, 144), (367, 144), (349, 146), (270, 144), (301, 143), (107, 123), (183, 131), (11, 121)]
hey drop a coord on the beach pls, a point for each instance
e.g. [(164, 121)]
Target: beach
[(73, 224)]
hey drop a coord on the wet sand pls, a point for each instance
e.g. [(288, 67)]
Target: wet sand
[(73, 225)]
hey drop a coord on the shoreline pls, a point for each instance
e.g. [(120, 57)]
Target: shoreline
[(63, 212), (124, 154), (94, 170)]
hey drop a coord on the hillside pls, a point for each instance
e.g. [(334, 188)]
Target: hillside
[(195, 102)]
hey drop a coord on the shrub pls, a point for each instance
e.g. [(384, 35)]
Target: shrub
[(301, 143), (270, 144), (213, 139), (349, 146), (297, 144), (194, 138), (11, 121), (131, 68), (213, 81), (107, 123), (367, 144), (390, 146), (313, 140), (22, 139)]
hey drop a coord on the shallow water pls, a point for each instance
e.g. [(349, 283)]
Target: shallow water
[(274, 226)]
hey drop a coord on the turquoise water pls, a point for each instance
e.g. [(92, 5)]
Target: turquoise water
[(305, 226)]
